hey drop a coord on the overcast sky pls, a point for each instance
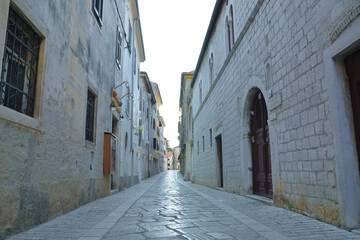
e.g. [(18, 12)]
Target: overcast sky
[(173, 33)]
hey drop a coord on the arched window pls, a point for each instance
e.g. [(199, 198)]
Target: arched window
[(200, 92), (231, 23), (230, 29), (211, 69)]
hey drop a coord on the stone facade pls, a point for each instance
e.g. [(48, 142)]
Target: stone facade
[(147, 104), (291, 51), (49, 163), (185, 130)]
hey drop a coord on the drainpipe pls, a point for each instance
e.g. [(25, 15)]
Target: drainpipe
[(148, 146)]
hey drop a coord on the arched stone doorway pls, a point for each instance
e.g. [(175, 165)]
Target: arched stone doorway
[(260, 147)]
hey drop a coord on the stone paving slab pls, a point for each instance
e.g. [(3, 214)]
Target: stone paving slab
[(166, 207)]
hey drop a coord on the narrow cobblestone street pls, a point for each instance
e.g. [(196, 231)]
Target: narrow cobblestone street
[(166, 207)]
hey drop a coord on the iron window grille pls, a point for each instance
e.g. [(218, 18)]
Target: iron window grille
[(19, 66), (118, 47), (90, 117), (130, 36), (97, 7), (127, 109)]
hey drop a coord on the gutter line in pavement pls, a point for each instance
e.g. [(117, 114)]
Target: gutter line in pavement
[(262, 229)]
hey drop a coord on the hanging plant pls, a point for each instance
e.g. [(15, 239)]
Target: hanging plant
[(140, 128)]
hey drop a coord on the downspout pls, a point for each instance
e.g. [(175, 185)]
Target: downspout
[(132, 104), (148, 146)]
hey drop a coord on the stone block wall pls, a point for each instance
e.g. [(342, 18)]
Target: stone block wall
[(280, 49)]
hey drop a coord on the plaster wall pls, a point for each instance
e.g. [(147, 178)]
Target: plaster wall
[(45, 160)]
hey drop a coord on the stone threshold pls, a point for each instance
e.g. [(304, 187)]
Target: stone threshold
[(262, 199)]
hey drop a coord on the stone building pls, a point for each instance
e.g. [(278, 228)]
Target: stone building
[(157, 140), (185, 130), (162, 146), (176, 158), (170, 161), (145, 130), (151, 152), (275, 107), (65, 139)]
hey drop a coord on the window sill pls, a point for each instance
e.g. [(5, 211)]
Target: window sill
[(90, 145), (19, 118)]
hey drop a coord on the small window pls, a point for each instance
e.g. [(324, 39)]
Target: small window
[(134, 64), (127, 109), (126, 140), (203, 143), (118, 47), (90, 117), (97, 7), (130, 36), (211, 69), (198, 148), (200, 92), (20, 66), (230, 29)]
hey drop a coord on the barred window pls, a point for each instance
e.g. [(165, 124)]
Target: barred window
[(20, 65), (97, 7), (118, 47), (90, 117), (130, 36)]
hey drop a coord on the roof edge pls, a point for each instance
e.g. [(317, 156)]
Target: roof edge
[(212, 23)]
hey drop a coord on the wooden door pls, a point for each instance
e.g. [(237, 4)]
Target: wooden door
[(262, 178), (352, 64), (220, 162)]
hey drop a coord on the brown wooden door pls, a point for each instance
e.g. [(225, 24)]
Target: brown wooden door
[(262, 178), (220, 162), (352, 64)]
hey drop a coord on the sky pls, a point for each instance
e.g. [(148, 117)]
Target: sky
[(173, 33)]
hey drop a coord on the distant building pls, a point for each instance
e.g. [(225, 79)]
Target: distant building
[(176, 157), (170, 161), (185, 126)]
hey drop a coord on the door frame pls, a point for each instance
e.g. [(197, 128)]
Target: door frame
[(219, 170), (341, 120), (255, 158), (244, 107)]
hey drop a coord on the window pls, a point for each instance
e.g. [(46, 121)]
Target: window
[(210, 137), (97, 7), (203, 143), (230, 30), (130, 36), (134, 64), (140, 132), (127, 109), (90, 117), (118, 47), (198, 147), (200, 91), (154, 143), (126, 140), (20, 66), (211, 69)]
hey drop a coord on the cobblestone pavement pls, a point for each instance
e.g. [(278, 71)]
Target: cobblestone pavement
[(166, 207)]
